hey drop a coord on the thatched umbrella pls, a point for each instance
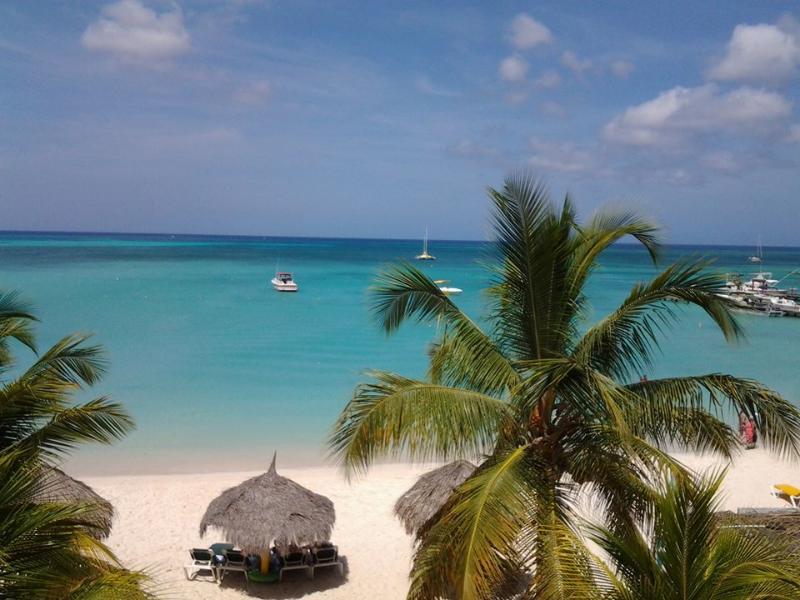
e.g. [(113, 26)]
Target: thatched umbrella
[(270, 508), (428, 495), (57, 486)]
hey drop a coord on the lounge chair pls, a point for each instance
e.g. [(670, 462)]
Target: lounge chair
[(326, 556), (294, 561), (202, 560), (235, 561), (791, 492)]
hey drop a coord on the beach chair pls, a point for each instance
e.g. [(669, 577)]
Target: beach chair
[(791, 492), (326, 556), (295, 561), (235, 562), (202, 560)]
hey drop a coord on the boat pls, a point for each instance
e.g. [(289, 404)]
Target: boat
[(425, 255), (447, 290), (758, 257), (786, 305), (283, 282)]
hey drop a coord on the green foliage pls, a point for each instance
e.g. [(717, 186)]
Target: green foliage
[(49, 549), (546, 404), (681, 552)]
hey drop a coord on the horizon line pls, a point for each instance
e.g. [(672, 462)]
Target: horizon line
[(315, 237)]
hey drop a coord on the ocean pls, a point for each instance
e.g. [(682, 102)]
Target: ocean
[(219, 370)]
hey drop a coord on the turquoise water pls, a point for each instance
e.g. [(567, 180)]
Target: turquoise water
[(219, 370)]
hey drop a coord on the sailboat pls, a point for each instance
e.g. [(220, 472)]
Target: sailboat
[(425, 255), (758, 257)]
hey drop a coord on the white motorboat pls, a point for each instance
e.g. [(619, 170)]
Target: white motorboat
[(446, 289), (787, 305), (283, 282), (425, 255)]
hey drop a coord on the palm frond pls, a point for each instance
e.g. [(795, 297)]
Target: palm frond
[(400, 417), (777, 420), (16, 319), (603, 230), (622, 344), (470, 548), (533, 311), (99, 420), (69, 362)]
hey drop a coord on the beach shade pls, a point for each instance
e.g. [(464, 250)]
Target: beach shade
[(58, 487), (428, 495), (269, 508)]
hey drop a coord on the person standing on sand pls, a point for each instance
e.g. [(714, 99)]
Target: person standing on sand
[(747, 431)]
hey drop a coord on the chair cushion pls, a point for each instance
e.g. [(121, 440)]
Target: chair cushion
[(787, 489)]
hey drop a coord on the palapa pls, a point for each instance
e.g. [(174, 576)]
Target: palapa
[(269, 508), (58, 487), (429, 494)]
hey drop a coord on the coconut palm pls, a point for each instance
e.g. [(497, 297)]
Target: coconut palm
[(682, 551), (546, 402), (50, 549)]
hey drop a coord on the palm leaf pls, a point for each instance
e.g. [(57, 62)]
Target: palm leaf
[(400, 417)]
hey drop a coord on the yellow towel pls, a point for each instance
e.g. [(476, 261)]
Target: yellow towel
[(787, 489)]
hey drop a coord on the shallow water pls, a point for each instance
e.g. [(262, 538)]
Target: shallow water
[(219, 370)]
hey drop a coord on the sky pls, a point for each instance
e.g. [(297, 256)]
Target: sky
[(379, 119)]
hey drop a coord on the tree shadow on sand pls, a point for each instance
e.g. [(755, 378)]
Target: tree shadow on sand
[(295, 584)]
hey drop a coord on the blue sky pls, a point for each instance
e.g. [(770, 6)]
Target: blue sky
[(379, 119)]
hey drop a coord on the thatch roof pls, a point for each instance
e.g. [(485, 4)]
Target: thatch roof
[(428, 495), (57, 486), (269, 508)]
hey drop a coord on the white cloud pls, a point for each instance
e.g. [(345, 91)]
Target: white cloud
[(527, 32), (564, 157), (513, 68), (424, 85), (570, 60), (554, 109), (130, 31), (255, 93), (679, 113), (549, 80), (760, 53), (722, 161), (471, 149), (515, 98), (621, 68)]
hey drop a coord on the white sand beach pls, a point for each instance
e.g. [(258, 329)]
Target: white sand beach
[(158, 516)]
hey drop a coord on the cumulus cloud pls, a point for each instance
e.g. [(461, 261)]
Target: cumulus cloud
[(527, 32), (549, 80), (133, 32), (722, 162), (564, 157), (553, 109), (470, 149), (621, 68), (570, 60), (679, 113), (513, 68), (424, 85), (760, 53), (255, 93)]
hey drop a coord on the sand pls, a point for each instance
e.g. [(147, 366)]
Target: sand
[(158, 516)]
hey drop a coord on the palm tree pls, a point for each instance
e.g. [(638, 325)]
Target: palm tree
[(550, 403), (681, 551), (50, 549)]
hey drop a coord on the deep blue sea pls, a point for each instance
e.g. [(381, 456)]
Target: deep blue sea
[(219, 370)]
